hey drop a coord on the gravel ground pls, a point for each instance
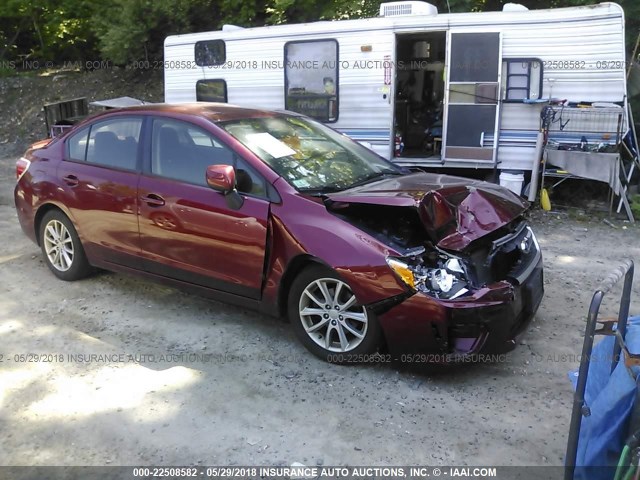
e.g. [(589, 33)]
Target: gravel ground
[(188, 380)]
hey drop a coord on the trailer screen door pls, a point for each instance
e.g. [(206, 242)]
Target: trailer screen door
[(473, 89)]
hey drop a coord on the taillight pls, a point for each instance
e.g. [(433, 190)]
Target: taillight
[(22, 165)]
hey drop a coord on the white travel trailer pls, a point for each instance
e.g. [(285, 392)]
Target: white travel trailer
[(425, 89)]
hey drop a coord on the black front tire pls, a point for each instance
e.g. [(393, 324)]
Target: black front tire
[(61, 247)]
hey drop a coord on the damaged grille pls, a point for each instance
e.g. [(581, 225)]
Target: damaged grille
[(508, 257)]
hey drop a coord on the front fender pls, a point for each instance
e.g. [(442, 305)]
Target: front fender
[(303, 226)]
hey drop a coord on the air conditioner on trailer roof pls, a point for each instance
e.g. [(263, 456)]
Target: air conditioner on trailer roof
[(396, 9)]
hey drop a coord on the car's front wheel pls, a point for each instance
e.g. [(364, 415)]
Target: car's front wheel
[(61, 247), (328, 319)]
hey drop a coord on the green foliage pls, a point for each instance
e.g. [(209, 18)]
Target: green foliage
[(6, 72), (46, 30), (635, 205), (135, 29), (289, 11), (247, 13)]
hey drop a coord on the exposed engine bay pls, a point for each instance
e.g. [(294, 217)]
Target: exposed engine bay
[(398, 227), (442, 273)]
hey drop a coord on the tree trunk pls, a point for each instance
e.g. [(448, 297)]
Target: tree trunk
[(11, 42), (37, 29)]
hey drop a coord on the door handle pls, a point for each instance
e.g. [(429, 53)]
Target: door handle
[(71, 180), (153, 200)]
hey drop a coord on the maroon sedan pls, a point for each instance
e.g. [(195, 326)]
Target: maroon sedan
[(277, 212)]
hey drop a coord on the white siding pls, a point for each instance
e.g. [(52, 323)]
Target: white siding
[(591, 37)]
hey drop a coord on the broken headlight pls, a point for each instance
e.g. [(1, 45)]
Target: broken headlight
[(441, 277)]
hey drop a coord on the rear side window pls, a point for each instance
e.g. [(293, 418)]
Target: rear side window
[(77, 145), (311, 79), (114, 143), (210, 52), (211, 91)]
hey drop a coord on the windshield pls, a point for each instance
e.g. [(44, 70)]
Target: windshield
[(309, 155)]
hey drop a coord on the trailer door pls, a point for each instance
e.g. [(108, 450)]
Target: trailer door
[(472, 103)]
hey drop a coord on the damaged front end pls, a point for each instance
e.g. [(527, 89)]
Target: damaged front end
[(471, 263), (436, 273), (510, 254)]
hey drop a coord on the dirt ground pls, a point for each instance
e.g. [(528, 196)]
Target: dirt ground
[(190, 381)]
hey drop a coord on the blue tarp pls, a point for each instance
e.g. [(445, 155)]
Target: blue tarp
[(610, 397)]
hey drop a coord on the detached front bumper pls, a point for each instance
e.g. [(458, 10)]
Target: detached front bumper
[(487, 322)]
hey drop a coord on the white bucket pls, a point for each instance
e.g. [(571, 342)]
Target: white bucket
[(513, 181)]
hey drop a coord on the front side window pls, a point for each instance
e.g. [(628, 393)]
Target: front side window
[(309, 155), (182, 151), (209, 53), (211, 91), (522, 79), (114, 143), (311, 79)]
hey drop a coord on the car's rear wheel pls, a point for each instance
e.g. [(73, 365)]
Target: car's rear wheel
[(328, 319), (61, 247)]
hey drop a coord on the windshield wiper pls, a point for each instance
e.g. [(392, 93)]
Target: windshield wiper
[(374, 176), (331, 188), (320, 190)]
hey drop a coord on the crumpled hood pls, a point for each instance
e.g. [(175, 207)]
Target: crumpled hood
[(455, 211)]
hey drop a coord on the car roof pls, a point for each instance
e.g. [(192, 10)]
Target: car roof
[(215, 112)]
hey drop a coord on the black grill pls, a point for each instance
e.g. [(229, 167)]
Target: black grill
[(507, 257), (503, 262)]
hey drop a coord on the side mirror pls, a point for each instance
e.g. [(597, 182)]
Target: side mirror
[(222, 178)]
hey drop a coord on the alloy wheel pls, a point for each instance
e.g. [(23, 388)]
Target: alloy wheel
[(58, 245), (331, 315)]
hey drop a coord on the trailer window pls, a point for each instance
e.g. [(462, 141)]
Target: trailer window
[(523, 79), (210, 52), (311, 78), (211, 91)]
